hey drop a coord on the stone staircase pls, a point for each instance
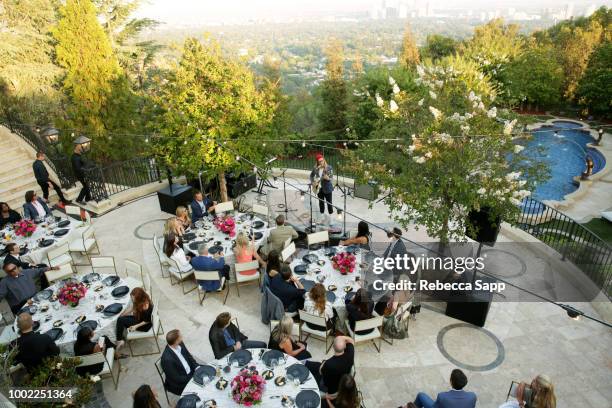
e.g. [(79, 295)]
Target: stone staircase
[(16, 174)]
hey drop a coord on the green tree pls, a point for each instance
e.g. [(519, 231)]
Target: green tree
[(209, 100), (595, 88), (100, 101), (409, 57), (438, 46), (332, 116)]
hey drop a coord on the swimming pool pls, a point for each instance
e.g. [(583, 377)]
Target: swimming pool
[(563, 146)]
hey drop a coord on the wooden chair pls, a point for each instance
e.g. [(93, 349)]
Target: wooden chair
[(317, 237), (245, 279), (155, 330), (374, 323), (108, 359), (210, 276), (103, 262), (64, 272), (59, 255), (85, 244), (325, 335), (226, 206)]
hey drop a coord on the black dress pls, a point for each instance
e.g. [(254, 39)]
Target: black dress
[(13, 217), (303, 355), (85, 349), (355, 314), (123, 322)]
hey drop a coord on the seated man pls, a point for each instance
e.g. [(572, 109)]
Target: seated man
[(280, 234), (32, 347), (225, 337), (455, 398), (34, 206), (205, 262), (201, 206), (329, 372), (18, 286), (288, 288), (177, 362), (14, 257)]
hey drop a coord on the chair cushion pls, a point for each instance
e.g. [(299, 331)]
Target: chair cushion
[(135, 335), (180, 275), (61, 260), (314, 332), (363, 337), (77, 245), (246, 278)]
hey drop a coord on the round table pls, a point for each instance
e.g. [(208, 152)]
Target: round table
[(272, 393), (86, 307), (36, 254)]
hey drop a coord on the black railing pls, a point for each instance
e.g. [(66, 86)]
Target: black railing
[(576, 243), (118, 177), (54, 159)]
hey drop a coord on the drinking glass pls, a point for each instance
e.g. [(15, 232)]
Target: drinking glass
[(296, 382)]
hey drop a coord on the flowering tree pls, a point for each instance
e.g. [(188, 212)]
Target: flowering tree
[(460, 156)]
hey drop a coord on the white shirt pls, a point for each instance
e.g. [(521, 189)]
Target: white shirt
[(201, 204), (177, 351), (39, 208), (320, 173), (310, 307), (179, 256)]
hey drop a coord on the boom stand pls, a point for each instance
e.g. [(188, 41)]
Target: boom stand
[(286, 210)]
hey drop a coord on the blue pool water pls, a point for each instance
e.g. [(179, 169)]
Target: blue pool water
[(564, 152)]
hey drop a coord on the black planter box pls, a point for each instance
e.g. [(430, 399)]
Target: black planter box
[(169, 200)]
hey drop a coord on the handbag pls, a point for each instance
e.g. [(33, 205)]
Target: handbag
[(395, 325)]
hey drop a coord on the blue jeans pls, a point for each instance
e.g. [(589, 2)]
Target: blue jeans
[(423, 400)]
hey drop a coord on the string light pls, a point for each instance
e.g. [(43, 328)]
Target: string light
[(303, 144)]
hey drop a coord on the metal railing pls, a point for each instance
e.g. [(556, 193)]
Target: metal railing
[(337, 161), (117, 177), (575, 242)]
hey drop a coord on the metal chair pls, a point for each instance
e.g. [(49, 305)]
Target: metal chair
[(210, 276), (225, 206), (64, 272), (318, 321), (103, 262), (261, 210), (288, 252), (180, 275), (241, 278), (85, 244), (155, 330), (317, 237), (162, 377), (374, 323), (161, 257), (60, 255), (108, 359)]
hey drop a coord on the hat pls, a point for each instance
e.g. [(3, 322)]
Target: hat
[(318, 156)]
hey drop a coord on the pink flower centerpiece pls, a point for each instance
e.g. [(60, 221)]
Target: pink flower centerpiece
[(71, 293), (247, 388), (24, 228), (226, 224), (344, 262)]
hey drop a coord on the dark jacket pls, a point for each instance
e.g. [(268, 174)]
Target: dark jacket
[(326, 185), (176, 377), (40, 171), (33, 348), (196, 211), (78, 166), (285, 291), (208, 263), (12, 218), (217, 339), (11, 259), (455, 399), (29, 211)]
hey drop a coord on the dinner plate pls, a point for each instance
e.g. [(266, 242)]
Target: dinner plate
[(215, 249), (258, 224), (120, 291), (111, 280), (91, 277), (92, 324), (113, 309), (204, 371), (298, 370), (310, 258), (271, 355), (55, 333), (331, 251), (352, 249), (307, 399), (188, 401), (189, 236), (46, 242), (194, 246), (63, 223), (60, 232), (43, 295), (258, 235), (242, 356), (349, 296), (300, 269), (331, 296), (308, 284), (28, 309)]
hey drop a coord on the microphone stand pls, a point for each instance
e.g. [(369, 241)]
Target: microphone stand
[(285, 196)]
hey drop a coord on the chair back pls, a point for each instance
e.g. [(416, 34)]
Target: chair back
[(99, 262), (64, 271), (317, 237), (73, 210), (512, 392), (288, 252), (88, 233), (224, 207), (58, 251), (155, 318), (261, 210), (91, 359), (312, 319), (206, 275), (133, 268), (287, 242), (160, 371), (370, 323), (245, 266)]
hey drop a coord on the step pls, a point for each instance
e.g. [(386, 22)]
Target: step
[(7, 171), (15, 162), (20, 188)]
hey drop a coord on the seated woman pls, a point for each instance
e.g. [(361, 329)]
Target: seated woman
[(347, 395), (359, 308), (84, 346), (316, 304), (173, 250), (273, 264), (173, 226), (145, 397), (245, 252), (362, 238), (542, 394), (35, 207), (137, 317), (8, 216), (280, 339), (182, 217)]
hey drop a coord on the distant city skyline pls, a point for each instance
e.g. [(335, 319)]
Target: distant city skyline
[(189, 12)]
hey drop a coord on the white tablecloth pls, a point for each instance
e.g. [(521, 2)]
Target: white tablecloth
[(86, 307), (223, 398), (36, 254)]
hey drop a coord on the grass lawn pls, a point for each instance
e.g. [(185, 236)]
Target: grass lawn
[(601, 227)]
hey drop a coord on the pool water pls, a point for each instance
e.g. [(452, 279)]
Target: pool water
[(564, 152)]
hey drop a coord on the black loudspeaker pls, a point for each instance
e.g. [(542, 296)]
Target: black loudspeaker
[(484, 227), (241, 184), (367, 191), (169, 200), (471, 307)]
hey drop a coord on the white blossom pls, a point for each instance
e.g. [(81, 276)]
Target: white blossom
[(481, 191), (58, 366), (420, 70), (468, 116), (513, 176), (472, 96), (421, 102), (433, 95), (435, 112), (439, 84), (393, 106), (428, 155), (419, 159), (411, 148), (391, 81), (396, 89), (481, 106), (94, 378), (465, 129), (515, 201), (492, 112), (379, 101), (518, 148)]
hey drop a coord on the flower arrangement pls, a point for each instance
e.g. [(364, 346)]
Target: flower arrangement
[(247, 388), (226, 225), (24, 228), (71, 293), (344, 262)]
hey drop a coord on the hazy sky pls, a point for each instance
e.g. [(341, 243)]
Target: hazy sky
[(194, 11)]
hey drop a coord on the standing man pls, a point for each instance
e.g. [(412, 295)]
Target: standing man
[(78, 167), (43, 180), (321, 178)]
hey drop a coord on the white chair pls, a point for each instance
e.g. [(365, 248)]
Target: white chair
[(326, 334), (135, 269), (513, 391), (59, 255), (103, 262), (225, 206), (180, 275), (85, 244), (74, 211), (162, 377), (374, 323), (155, 330), (287, 242), (317, 237), (64, 271), (210, 276), (288, 252), (108, 359), (261, 210), (242, 278), (163, 260)]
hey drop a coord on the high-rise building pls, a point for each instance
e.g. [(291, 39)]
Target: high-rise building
[(569, 10)]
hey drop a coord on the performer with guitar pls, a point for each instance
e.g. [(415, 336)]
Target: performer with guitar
[(321, 178)]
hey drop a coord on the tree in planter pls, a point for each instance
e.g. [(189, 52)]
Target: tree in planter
[(209, 99), (446, 168)]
